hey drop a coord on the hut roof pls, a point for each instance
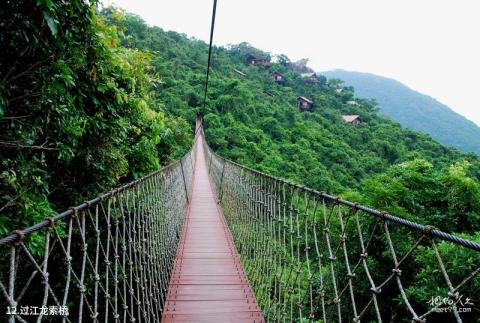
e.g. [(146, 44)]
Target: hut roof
[(258, 58), (308, 75), (351, 118), (305, 99)]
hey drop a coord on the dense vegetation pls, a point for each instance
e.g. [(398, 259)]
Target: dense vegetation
[(88, 101), (414, 110), (94, 101), (78, 114), (254, 121)]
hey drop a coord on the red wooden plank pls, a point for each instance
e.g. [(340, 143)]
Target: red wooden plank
[(232, 317), (208, 282)]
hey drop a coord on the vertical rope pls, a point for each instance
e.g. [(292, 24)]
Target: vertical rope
[(312, 257)]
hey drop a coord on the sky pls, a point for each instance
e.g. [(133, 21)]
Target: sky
[(432, 46)]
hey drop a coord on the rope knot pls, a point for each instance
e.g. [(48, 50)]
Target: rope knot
[(376, 290), (51, 222), (20, 235), (427, 230), (455, 295), (382, 215), (397, 272), (74, 211), (364, 255)]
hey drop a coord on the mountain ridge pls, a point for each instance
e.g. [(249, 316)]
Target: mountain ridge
[(413, 109)]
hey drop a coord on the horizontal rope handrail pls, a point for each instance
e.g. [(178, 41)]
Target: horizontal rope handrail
[(19, 234), (310, 255), (107, 259)]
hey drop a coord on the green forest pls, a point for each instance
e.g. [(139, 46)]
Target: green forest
[(254, 121), (91, 99), (99, 99)]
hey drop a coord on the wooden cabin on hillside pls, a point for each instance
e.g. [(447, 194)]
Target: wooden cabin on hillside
[(353, 119), (258, 61), (310, 78), (304, 104), (279, 78)]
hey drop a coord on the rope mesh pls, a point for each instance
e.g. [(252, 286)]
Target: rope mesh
[(106, 260), (309, 256), (313, 257)]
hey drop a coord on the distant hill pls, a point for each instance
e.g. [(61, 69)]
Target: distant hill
[(413, 109)]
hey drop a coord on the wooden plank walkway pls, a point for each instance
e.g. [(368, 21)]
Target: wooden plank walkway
[(208, 282)]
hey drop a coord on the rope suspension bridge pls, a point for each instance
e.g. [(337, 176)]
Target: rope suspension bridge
[(206, 239)]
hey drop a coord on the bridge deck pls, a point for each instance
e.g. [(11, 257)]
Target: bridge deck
[(208, 282)]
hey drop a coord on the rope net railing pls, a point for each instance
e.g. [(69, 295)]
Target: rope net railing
[(106, 260), (310, 256)]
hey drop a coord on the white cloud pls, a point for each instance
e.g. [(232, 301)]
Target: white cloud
[(430, 45)]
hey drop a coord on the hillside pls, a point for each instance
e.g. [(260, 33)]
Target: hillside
[(413, 109), (251, 119), (255, 121), (122, 100)]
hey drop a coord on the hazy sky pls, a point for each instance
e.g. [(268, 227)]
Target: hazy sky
[(433, 46)]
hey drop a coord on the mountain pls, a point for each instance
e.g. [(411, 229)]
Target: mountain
[(413, 109), (252, 120)]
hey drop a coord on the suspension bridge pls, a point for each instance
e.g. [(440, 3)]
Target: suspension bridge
[(208, 240)]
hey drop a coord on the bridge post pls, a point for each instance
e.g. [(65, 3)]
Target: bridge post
[(184, 182), (221, 182), (210, 163), (191, 162)]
